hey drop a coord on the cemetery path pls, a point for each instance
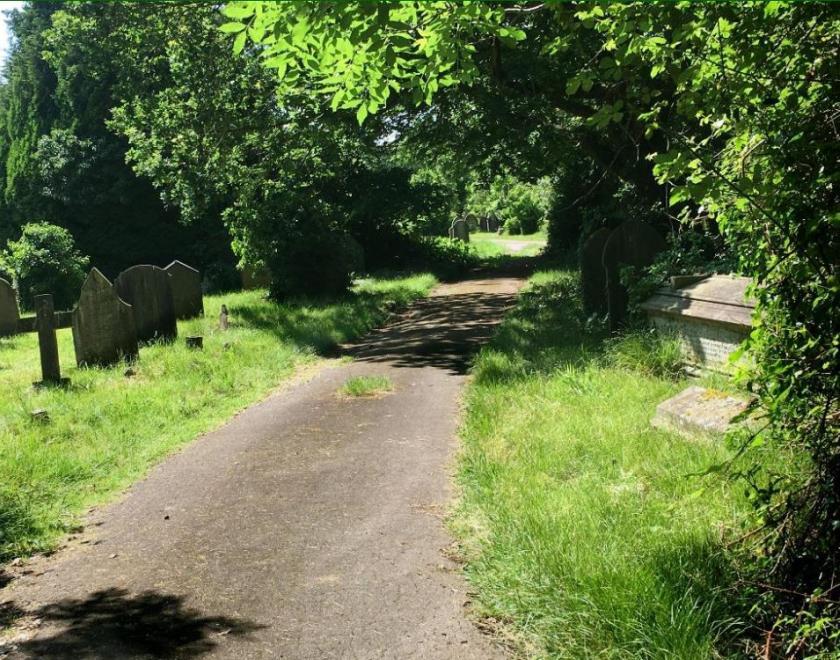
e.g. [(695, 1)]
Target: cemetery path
[(310, 526)]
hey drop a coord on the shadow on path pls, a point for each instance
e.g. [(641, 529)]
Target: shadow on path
[(115, 624)]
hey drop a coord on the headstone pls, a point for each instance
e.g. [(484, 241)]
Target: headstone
[(223, 318), (196, 342), (103, 325), (592, 274), (459, 230), (8, 310), (47, 341), (632, 243), (186, 290), (148, 290), (490, 223), (699, 411), (472, 221)]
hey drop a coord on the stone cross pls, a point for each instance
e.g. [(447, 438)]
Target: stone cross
[(186, 290), (103, 325), (47, 341), (8, 310)]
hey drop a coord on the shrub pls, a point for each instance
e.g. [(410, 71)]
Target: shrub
[(45, 260), (524, 211), (447, 258)]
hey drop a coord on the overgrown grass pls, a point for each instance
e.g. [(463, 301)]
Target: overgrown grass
[(367, 386), (107, 428), (586, 532)]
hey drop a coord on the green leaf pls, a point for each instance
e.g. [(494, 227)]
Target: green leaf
[(239, 42), (361, 114), (232, 27)]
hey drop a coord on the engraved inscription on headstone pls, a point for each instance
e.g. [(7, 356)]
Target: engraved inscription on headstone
[(103, 325), (186, 290), (148, 290)]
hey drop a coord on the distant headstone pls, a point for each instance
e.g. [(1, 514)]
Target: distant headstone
[(148, 290), (8, 310), (632, 243), (460, 230), (103, 325), (490, 223), (472, 221), (223, 318), (186, 290), (592, 274)]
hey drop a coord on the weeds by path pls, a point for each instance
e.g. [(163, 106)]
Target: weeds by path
[(110, 425), (367, 386), (584, 533)]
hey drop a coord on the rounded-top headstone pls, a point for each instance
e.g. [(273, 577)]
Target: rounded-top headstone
[(186, 290), (592, 274), (148, 290), (9, 314), (103, 325), (632, 243)]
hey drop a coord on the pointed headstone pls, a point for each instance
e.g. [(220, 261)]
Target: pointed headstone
[(9, 314), (103, 325), (149, 292), (592, 274), (186, 290), (632, 243)]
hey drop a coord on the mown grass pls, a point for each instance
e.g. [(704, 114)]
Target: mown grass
[(106, 429), (586, 532), (366, 386), (489, 245)]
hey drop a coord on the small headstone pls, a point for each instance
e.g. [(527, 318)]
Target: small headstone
[(148, 290), (699, 411), (459, 230), (186, 290), (592, 274), (47, 340), (632, 243), (195, 342), (40, 415), (104, 330), (8, 310), (223, 318)]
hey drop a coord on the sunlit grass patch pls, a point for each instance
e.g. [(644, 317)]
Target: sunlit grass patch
[(366, 386)]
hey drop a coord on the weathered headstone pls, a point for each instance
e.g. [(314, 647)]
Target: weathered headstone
[(148, 290), (8, 310), (460, 230), (186, 290), (632, 243), (223, 318), (47, 340), (103, 325), (699, 411), (592, 274)]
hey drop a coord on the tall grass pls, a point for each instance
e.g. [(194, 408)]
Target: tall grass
[(584, 531), (107, 428)]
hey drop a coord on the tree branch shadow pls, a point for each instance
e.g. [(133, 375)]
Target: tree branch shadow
[(115, 624)]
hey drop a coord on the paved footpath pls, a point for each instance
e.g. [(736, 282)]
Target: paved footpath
[(310, 526)]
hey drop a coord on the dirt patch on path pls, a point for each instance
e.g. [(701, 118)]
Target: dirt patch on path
[(307, 527)]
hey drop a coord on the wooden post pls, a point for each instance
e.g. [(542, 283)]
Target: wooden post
[(47, 342)]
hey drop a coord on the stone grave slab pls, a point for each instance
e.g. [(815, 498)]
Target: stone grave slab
[(9, 314), (149, 292), (632, 243), (699, 411), (103, 325), (592, 273), (186, 290)]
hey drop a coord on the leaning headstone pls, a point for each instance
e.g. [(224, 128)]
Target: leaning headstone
[(592, 274), (8, 310), (103, 325), (186, 290), (632, 243), (460, 230), (148, 290)]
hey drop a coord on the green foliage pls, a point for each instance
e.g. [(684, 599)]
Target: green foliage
[(446, 257), (646, 351), (45, 260)]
